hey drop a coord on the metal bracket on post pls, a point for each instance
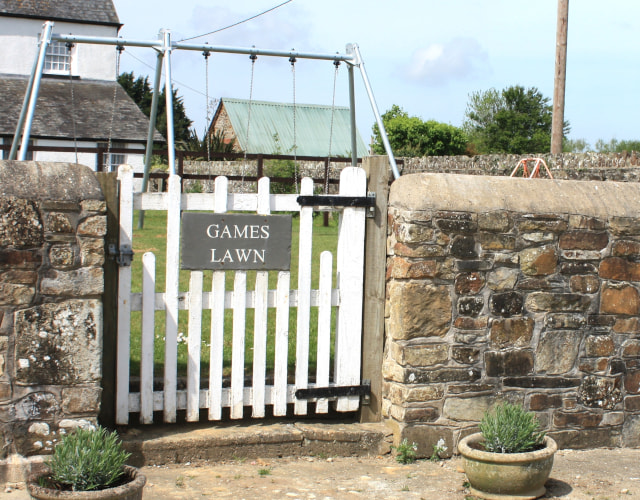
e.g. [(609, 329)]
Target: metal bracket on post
[(335, 201), (333, 392), (123, 255)]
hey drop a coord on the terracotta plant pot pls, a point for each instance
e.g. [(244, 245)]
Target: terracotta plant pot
[(504, 476), (131, 490)]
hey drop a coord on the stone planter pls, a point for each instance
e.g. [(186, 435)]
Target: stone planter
[(506, 476), (131, 490)]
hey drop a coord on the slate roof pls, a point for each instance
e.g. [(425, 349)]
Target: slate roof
[(81, 11), (313, 126), (92, 106)]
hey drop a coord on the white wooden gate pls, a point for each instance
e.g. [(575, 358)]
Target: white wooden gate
[(347, 296)]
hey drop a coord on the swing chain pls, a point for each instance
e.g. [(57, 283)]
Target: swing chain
[(69, 46), (119, 49), (253, 58), (336, 63), (292, 60), (207, 137)]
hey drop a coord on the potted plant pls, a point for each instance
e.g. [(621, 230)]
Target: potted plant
[(510, 458), (88, 464)]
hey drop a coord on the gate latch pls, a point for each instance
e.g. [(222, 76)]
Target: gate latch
[(333, 392), (123, 256)]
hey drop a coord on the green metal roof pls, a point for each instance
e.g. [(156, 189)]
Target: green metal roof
[(271, 128)]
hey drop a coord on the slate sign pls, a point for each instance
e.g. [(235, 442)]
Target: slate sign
[(236, 241)]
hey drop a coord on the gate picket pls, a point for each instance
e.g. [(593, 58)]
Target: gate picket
[(347, 296)]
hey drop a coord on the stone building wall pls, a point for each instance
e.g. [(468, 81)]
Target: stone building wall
[(505, 289), (52, 227)]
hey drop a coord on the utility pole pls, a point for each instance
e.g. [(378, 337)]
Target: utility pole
[(557, 121)]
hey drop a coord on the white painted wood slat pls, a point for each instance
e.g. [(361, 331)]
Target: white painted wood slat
[(238, 345), (125, 176), (194, 346), (324, 328), (282, 345), (172, 274), (148, 337), (304, 296), (350, 268)]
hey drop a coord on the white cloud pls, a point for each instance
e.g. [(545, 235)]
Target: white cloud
[(458, 59)]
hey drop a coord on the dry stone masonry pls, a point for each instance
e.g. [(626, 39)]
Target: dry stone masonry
[(52, 227), (509, 289)]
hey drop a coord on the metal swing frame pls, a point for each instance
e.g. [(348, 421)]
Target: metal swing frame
[(164, 47)]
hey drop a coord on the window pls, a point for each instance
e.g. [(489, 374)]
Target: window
[(113, 160), (58, 58)]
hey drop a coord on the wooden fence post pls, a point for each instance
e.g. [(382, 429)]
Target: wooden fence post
[(375, 258), (109, 183)]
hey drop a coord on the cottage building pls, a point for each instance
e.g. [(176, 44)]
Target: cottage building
[(80, 104)]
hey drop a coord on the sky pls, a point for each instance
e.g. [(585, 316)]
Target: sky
[(426, 56)]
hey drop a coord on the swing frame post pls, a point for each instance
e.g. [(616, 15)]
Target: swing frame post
[(30, 97), (355, 50), (352, 115), (168, 90)]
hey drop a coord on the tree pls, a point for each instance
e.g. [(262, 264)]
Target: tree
[(141, 92), (513, 120), (616, 146), (410, 136)]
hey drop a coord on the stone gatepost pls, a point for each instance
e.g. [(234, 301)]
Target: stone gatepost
[(52, 228), (519, 290)]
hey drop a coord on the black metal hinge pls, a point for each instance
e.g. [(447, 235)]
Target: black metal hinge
[(335, 201), (332, 392), (123, 255)]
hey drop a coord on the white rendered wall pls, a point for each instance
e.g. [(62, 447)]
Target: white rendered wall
[(19, 41), (88, 159)]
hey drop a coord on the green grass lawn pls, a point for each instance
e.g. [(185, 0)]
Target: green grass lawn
[(153, 239)]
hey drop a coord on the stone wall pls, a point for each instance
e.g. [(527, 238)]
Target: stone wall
[(506, 289), (52, 227)]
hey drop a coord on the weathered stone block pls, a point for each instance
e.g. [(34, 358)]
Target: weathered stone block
[(413, 233), (20, 223), (62, 256), (91, 252), (419, 310), (506, 304), (470, 306), (577, 268), (81, 400), (541, 224), (21, 259), (503, 278), (16, 295), (580, 419), (587, 438), (508, 363), (93, 206), (5, 391), (465, 355), (581, 254), (559, 321), (540, 402), (584, 284), (538, 261), (467, 388), (474, 265), (584, 222), (400, 268), (627, 325), (426, 436), (599, 345), (632, 382), (631, 431), (557, 352), (511, 332), (76, 283), (414, 415), (467, 409), (593, 365), (456, 222), (541, 382), (400, 394), (616, 268), (58, 223), (632, 403), (623, 226), (418, 251), (567, 302), (496, 222), (620, 300), (583, 240), (34, 406), (631, 349), (599, 392), (495, 242), (426, 355), (625, 248), (59, 343), (464, 323), (468, 283), (19, 277), (441, 375), (463, 247), (528, 239)]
